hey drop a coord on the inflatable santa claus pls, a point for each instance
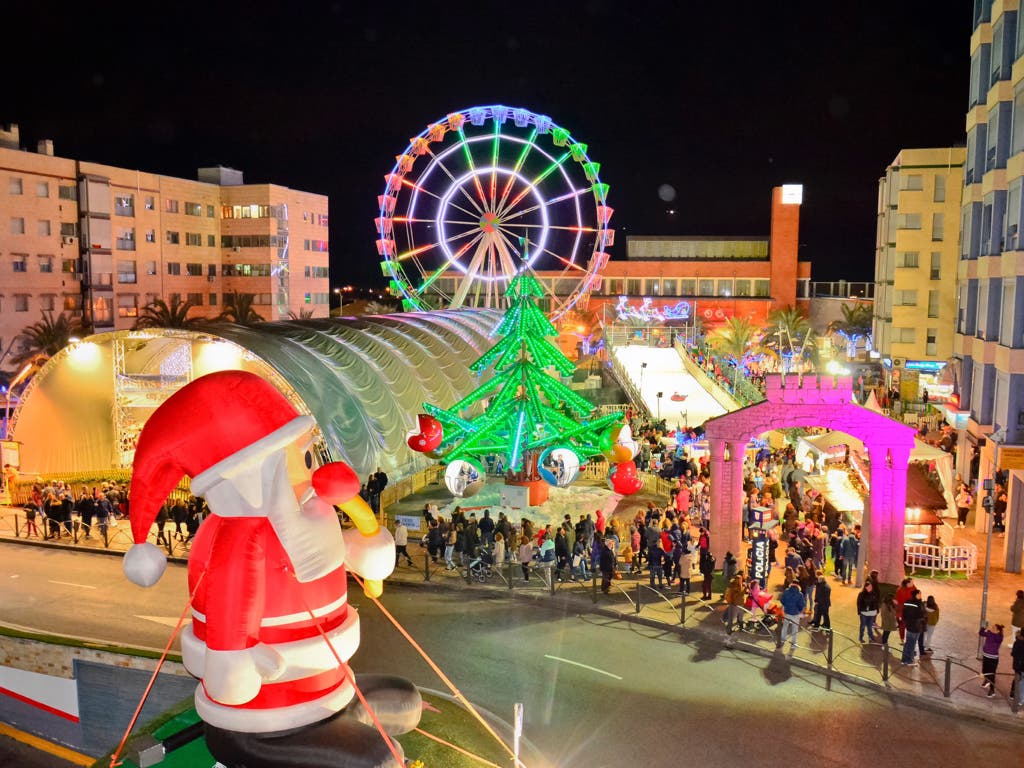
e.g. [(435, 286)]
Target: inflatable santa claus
[(271, 630)]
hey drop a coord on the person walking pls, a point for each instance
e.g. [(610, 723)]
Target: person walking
[(903, 593), (913, 622), (401, 543), (30, 521), (606, 561), (685, 566), (735, 597), (793, 604), (887, 613), (849, 548), (1017, 613), (963, 505), (707, 569), (993, 638), (867, 608), (822, 603), (525, 556), (449, 548), (1017, 653), (931, 610)]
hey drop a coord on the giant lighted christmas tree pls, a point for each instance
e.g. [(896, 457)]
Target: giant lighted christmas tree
[(525, 409)]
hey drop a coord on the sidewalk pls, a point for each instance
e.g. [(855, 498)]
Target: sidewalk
[(955, 642)]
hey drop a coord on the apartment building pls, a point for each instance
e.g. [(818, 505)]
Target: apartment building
[(916, 252), (100, 242), (989, 340)]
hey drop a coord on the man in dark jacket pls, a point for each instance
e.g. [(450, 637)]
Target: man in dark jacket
[(606, 562), (822, 602), (486, 528), (913, 619), (1017, 652)]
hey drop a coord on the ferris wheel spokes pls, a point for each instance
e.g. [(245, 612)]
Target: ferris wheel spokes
[(461, 189), (549, 203), (517, 168)]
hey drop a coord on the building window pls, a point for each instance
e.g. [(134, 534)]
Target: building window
[(173, 268), (318, 246), (907, 259), (321, 219), (68, 229), (653, 288), (210, 211), (938, 227), (46, 264), (69, 266), (43, 228), (668, 287), (725, 287), (192, 269), (47, 302), (315, 272), (211, 241), (126, 272), (908, 221), (126, 240), (17, 225), (742, 288), (211, 270), (72, 302), (20, 262), (933, 303), (127, 305), (195, 299), (193, 209), (930, 336), (904, 298), (67, 192), (213, 299), (124, 205), (911, 182), (21, 302), (150, 235), (940, 189), (150, 267), (762, 288), (1007, 309), (173, 237), (149, 203), (171, 206), (935, 273), (633, 286), (904, 335), (687, 287), (14, 185), (102, 311), (193, 238), (42, 189), (705, 287)]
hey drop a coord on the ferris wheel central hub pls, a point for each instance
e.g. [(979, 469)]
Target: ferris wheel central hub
[(489, 222)]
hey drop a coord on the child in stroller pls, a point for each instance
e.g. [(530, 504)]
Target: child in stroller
[(481, 567), (760, 600)]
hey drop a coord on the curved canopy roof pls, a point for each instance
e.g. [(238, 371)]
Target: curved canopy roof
[(363, 379)]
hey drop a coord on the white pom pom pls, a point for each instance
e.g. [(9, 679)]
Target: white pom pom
[(144, 564)]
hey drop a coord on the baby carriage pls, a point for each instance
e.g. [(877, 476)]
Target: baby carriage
[(771, 613), (481, 567)]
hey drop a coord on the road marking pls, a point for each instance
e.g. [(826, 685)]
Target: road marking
[(71, 584), (584, 666), (57, 750), (167, 621)]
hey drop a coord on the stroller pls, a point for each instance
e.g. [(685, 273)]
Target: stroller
[(771, 613), (481, 567)]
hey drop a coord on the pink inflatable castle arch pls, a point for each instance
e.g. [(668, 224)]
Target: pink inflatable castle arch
[(815, 402)]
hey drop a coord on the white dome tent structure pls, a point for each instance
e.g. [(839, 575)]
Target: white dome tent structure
[(363, 379)]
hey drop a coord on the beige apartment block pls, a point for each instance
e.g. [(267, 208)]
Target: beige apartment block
[(100, 242), (916, 254)]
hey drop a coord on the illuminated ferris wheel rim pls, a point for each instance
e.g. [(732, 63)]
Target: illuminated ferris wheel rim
[(496, 233)]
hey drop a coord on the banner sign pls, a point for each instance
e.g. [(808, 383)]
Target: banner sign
[(757, 559)]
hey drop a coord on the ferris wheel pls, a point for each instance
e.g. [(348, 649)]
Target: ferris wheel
[(483, 194)]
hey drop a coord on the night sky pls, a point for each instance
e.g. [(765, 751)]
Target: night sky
[(720, 100)]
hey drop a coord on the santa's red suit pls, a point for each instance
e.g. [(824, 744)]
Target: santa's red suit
[(268, 567)]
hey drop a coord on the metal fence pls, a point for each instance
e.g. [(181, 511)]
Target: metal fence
[(962, 558)]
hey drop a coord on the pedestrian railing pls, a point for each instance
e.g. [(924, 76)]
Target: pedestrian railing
[(962, 558)]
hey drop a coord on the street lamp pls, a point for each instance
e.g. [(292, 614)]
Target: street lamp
[(341, 299), (988, 503), (643, 367)]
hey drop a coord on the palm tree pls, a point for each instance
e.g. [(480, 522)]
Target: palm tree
[(302, 314), (795, 337), (238, 308), (47, 336), (735, 341), (159, 314), (855, 324), (378, 308)]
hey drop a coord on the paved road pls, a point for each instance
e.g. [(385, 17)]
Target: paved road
[(18, 755), (597, 692)]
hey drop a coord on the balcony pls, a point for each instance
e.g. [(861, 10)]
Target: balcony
[(124, 209)]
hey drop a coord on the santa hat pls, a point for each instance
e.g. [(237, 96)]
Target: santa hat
[(212, 419)]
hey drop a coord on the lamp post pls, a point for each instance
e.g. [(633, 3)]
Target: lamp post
[(987, 503), (643, 367), (341, 299)]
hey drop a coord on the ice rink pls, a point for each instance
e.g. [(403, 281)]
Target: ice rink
[(665, 373)]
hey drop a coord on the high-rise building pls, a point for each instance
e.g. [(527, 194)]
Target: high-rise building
[(989, 339), (101, 242), (916, 260)]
